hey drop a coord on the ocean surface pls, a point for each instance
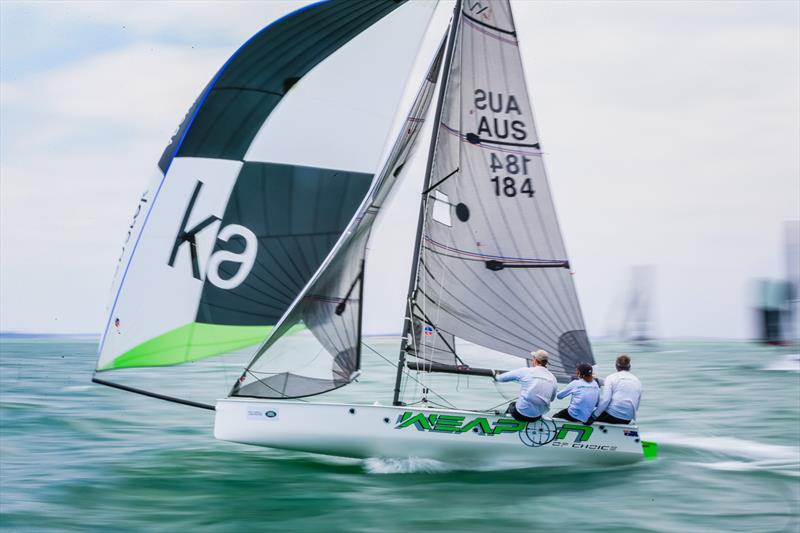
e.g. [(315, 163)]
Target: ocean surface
[(81, 457)]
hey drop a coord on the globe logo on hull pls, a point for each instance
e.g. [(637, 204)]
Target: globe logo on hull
[(538, 433)]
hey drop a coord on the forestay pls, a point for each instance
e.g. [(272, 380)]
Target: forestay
[(317, 346), (236, 221), (492, 267)]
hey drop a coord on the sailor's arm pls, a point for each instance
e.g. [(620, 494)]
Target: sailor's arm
[(513, 375), (605, 397), (566, 392)]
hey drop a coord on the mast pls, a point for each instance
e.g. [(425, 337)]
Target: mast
[(412, 282)]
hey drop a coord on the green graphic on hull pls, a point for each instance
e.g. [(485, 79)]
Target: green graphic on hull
[(191, 342), (543, 432), (583, 432), (453, 424)]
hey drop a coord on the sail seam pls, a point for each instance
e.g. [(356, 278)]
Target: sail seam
[(481, 23), (475, 23), (558, 262)]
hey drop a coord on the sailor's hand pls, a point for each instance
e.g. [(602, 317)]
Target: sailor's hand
[(494, 375)]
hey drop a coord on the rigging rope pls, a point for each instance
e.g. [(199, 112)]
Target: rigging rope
[(409, 375)]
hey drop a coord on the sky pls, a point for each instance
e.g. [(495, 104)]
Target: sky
[(671, 133)]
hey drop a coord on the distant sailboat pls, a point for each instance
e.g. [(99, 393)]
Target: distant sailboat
[(490, 270), (777, 309), (637, 322)]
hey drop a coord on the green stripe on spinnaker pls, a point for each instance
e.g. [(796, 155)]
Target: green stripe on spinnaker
[(191, 342)]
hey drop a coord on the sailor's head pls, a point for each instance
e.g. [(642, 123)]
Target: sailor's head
[(540, 358), (623, 362), (584, 371)]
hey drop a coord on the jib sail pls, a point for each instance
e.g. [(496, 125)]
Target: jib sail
[(317, 346)]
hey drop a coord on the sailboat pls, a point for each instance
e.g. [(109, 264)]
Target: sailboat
[(637, 323), (490, 279)]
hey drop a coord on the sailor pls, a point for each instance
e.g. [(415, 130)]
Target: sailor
[(621, 394), (537, 389), (585, 392)]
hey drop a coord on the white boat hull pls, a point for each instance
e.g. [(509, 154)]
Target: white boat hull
[(461, 437)]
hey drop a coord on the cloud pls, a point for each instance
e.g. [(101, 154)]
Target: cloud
[(78, 145), (39, 36), (670, 130)]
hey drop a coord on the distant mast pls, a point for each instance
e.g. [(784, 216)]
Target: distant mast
[(637, 323), (792, 249), (777, 312)]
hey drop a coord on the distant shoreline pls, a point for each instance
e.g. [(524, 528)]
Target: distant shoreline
[(30, 335)]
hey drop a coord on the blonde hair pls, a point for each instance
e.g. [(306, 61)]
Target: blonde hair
[(541, 356)]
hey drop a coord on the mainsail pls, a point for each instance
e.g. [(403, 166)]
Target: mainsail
[(233, 225), (317, 346), (491, 267)]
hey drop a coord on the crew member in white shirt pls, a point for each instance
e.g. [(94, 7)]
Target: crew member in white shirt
[(584, 391), (621, 394), (537, 388)]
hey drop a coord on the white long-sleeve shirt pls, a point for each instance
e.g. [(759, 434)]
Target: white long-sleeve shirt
[(537, 389), (622, 392), (584, 398)]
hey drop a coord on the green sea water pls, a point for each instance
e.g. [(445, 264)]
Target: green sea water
[(76, 456)]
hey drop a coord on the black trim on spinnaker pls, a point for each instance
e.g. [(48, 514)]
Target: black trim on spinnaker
[(297, 214), (229, 112)]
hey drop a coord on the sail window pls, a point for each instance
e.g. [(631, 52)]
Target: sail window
[(441, 208)]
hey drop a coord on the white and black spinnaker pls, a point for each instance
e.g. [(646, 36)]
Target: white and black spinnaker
[(259, 181), (491, 266)]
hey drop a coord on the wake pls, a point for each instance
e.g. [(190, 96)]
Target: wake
[(790, 363), (738, 455), (408, 465)]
